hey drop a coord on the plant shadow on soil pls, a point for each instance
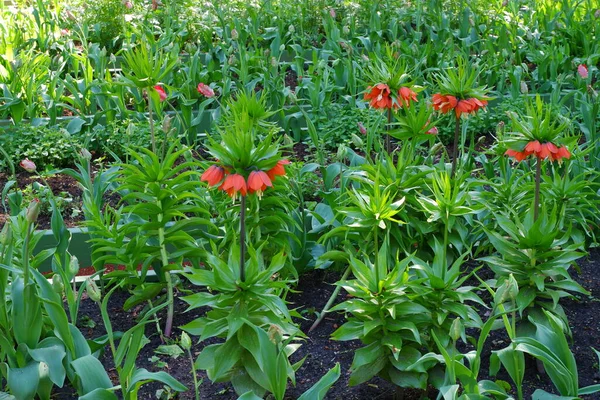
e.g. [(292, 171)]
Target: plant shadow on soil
[(322, 353)]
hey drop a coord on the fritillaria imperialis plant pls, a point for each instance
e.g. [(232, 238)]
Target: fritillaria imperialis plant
[(537, 254), (458, 94), (389, 86), (248, 158), (539, 134)]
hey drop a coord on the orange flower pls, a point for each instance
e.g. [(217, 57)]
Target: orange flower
[(278, 169), (213, 175), (258, 181), (233, 184), (379, 96), (464, 107), (518, 155), (541, 151), (406, 95), (444, 103), (477, 104), (562, 152), (533, 147)]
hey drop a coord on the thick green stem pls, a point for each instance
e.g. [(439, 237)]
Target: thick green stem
[(243, 239), (376, 265), (26, 255), (388, 140), (151, 120), (165, 264), (538, 175), (329, 302), (455, 146)]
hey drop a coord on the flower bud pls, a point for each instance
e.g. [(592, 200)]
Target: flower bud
[(356, 140), (6, 234), (275, 334), (186, 342), (57, 284), (28, 165), (524, 88), (346, 30), (234, 34), (507, 291), (282, 47), (166, 125), (332, 13), (85, 154), (362, 129), (291, 29), (231, 60), (342, 152), (33, 211), (457, 330), (74, 266), (288, 141), (92, 290), (436, 148)]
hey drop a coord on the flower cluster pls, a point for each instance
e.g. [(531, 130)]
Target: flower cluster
[(541, 151), (257, 182), (447, 103), (380, 96)]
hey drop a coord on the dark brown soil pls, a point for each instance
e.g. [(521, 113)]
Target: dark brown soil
[(322, 353), (61, 185)]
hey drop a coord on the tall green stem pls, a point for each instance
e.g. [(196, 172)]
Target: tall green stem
[(194, 375), (243, 239), (334, 295), (151, 118), (455, 147), (388, 140), (538, 175), (26, 255), (376, 242), (165, 264)]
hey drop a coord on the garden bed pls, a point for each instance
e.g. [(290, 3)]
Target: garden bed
[(322, 353)]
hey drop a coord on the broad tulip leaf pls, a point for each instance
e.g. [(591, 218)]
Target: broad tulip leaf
[(23, 382), (99, 394), (142, 376), (91, 373), (319, 389)]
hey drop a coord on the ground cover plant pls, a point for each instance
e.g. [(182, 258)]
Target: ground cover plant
[(299, 200)]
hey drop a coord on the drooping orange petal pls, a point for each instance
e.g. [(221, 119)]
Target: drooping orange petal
[(533, 147)]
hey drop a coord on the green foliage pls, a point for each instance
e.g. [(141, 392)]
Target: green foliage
[(252, 318), (538, 255), (45, 146), (342, 124), (106, 18), (384, 292)]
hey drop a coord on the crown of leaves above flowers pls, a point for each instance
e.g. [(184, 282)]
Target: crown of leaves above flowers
[(458, 90), (539, 132), (248, 157), (388, 81)]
